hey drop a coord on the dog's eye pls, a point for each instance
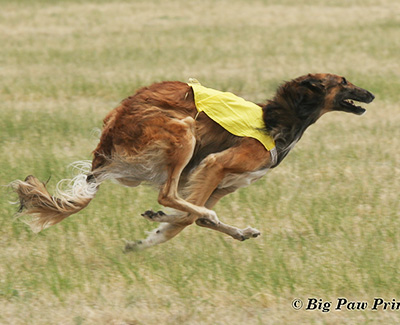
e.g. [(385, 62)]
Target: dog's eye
[(344, 81)]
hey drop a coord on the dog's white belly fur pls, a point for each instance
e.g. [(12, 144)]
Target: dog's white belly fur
[(242, 180)]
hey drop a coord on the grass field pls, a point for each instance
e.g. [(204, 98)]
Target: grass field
[(329, 215)]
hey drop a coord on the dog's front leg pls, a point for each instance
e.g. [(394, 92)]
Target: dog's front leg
[(248, 157), (234, 232)]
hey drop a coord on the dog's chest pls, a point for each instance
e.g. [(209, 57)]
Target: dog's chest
[(242, 180)]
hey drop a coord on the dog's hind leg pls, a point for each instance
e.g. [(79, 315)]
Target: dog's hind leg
[(163, 233), (179, 153)]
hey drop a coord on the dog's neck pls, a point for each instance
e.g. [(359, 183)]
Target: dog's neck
[(286, 118)]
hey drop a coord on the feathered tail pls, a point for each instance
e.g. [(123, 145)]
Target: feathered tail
[(72, 195)]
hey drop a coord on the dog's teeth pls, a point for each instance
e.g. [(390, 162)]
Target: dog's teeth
[(349, 101)]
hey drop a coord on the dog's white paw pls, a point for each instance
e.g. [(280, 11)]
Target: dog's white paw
[(132, 246), (250, 232)]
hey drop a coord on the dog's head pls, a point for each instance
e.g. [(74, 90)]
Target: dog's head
[(302, 101), (335, 93)]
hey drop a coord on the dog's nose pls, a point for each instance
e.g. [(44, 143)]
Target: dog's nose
[(371, 97)]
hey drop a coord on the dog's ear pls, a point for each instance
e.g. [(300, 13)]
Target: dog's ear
[(313, 84)]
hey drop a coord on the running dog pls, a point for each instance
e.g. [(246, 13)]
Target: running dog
[(166, 135)]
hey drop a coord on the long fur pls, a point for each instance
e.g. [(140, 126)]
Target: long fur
[(45, 210)]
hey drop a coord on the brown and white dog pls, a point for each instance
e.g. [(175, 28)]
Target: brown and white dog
[(157, 136)]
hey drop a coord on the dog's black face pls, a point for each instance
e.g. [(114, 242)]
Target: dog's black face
[(301, 102), (339, 94), (347, 94)]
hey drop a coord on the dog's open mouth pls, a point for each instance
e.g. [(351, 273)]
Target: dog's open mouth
[(348, 105)]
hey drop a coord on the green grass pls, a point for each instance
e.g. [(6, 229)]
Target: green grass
[(328, 215)]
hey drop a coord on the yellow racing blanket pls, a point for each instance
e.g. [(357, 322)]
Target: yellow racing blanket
[(235, 114)]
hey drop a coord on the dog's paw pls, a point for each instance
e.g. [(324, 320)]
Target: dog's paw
[(250, 232), (153, 216), (132, 246)]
